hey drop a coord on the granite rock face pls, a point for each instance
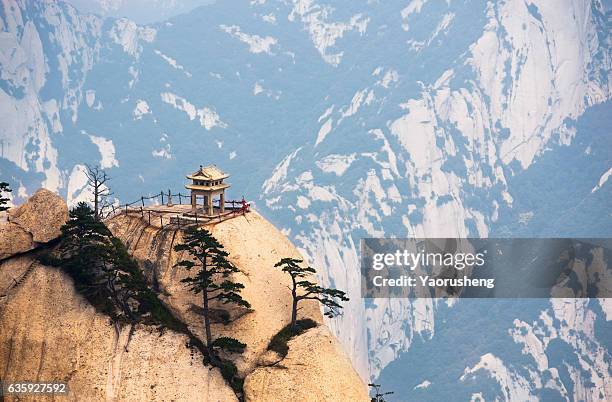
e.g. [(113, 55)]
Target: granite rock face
[(315, 369), (254, 246), (49, 332), (42, 215), (14, 240), (39, 220)]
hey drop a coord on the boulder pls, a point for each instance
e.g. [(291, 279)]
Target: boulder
[(269, 358), (14, 240), (315, 369), (42, 215), (37, 221)]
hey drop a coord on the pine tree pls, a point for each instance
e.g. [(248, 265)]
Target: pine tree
[(86, 248), (101, 266), (4, 188), (303, 289), (212, 278), (378, 395)]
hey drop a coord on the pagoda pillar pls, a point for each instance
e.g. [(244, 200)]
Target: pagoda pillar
[(209, 204)]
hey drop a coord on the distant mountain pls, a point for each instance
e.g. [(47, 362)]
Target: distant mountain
[(346, 119), (139, 11)]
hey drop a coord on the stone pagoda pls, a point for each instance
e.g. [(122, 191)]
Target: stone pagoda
[(208, 182)]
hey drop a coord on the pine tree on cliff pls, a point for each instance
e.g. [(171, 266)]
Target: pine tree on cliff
[(303, 289), (379, 396), (102, 268), (4, 188), (126, 284), (84, 248), (212, 278)]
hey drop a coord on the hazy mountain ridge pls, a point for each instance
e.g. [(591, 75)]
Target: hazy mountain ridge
[(350, 119), (454, 144)]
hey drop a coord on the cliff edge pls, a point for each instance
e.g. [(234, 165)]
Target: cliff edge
[(49, 332)]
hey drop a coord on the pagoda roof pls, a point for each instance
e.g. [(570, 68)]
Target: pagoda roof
[(207, 188), (210, 172)]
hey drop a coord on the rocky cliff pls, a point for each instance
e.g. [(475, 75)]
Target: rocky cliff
[(23, 230), (49, 332)]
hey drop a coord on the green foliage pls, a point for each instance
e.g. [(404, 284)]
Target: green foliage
[(110, 279), (104, 272), (228, 344), (4, 188), (214, 268), (229, 371), (212, 281), (328, 297), (213, 272), (379, 396), (303, 289), (46, 257), (278, 343), (86, 253), (293, 268)]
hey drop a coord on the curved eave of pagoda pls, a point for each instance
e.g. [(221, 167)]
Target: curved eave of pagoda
[(207, 188), (197, 177)]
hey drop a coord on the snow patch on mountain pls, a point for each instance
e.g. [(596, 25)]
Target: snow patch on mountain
[(208, 118), (441, 28), (602, 180), (271, 18), (106, 149), (77, 189), (363, 96), (547, 57), (165, 152), (257, 44), (335, 163), (259, 89), (414, 7), (423, 385), (391, 76), (514, 386), (28, 119), (141, 109), (324, 34), (279, 174), (90, 97), (172, 62), (571, 321), (323, 131), (129, 36)]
